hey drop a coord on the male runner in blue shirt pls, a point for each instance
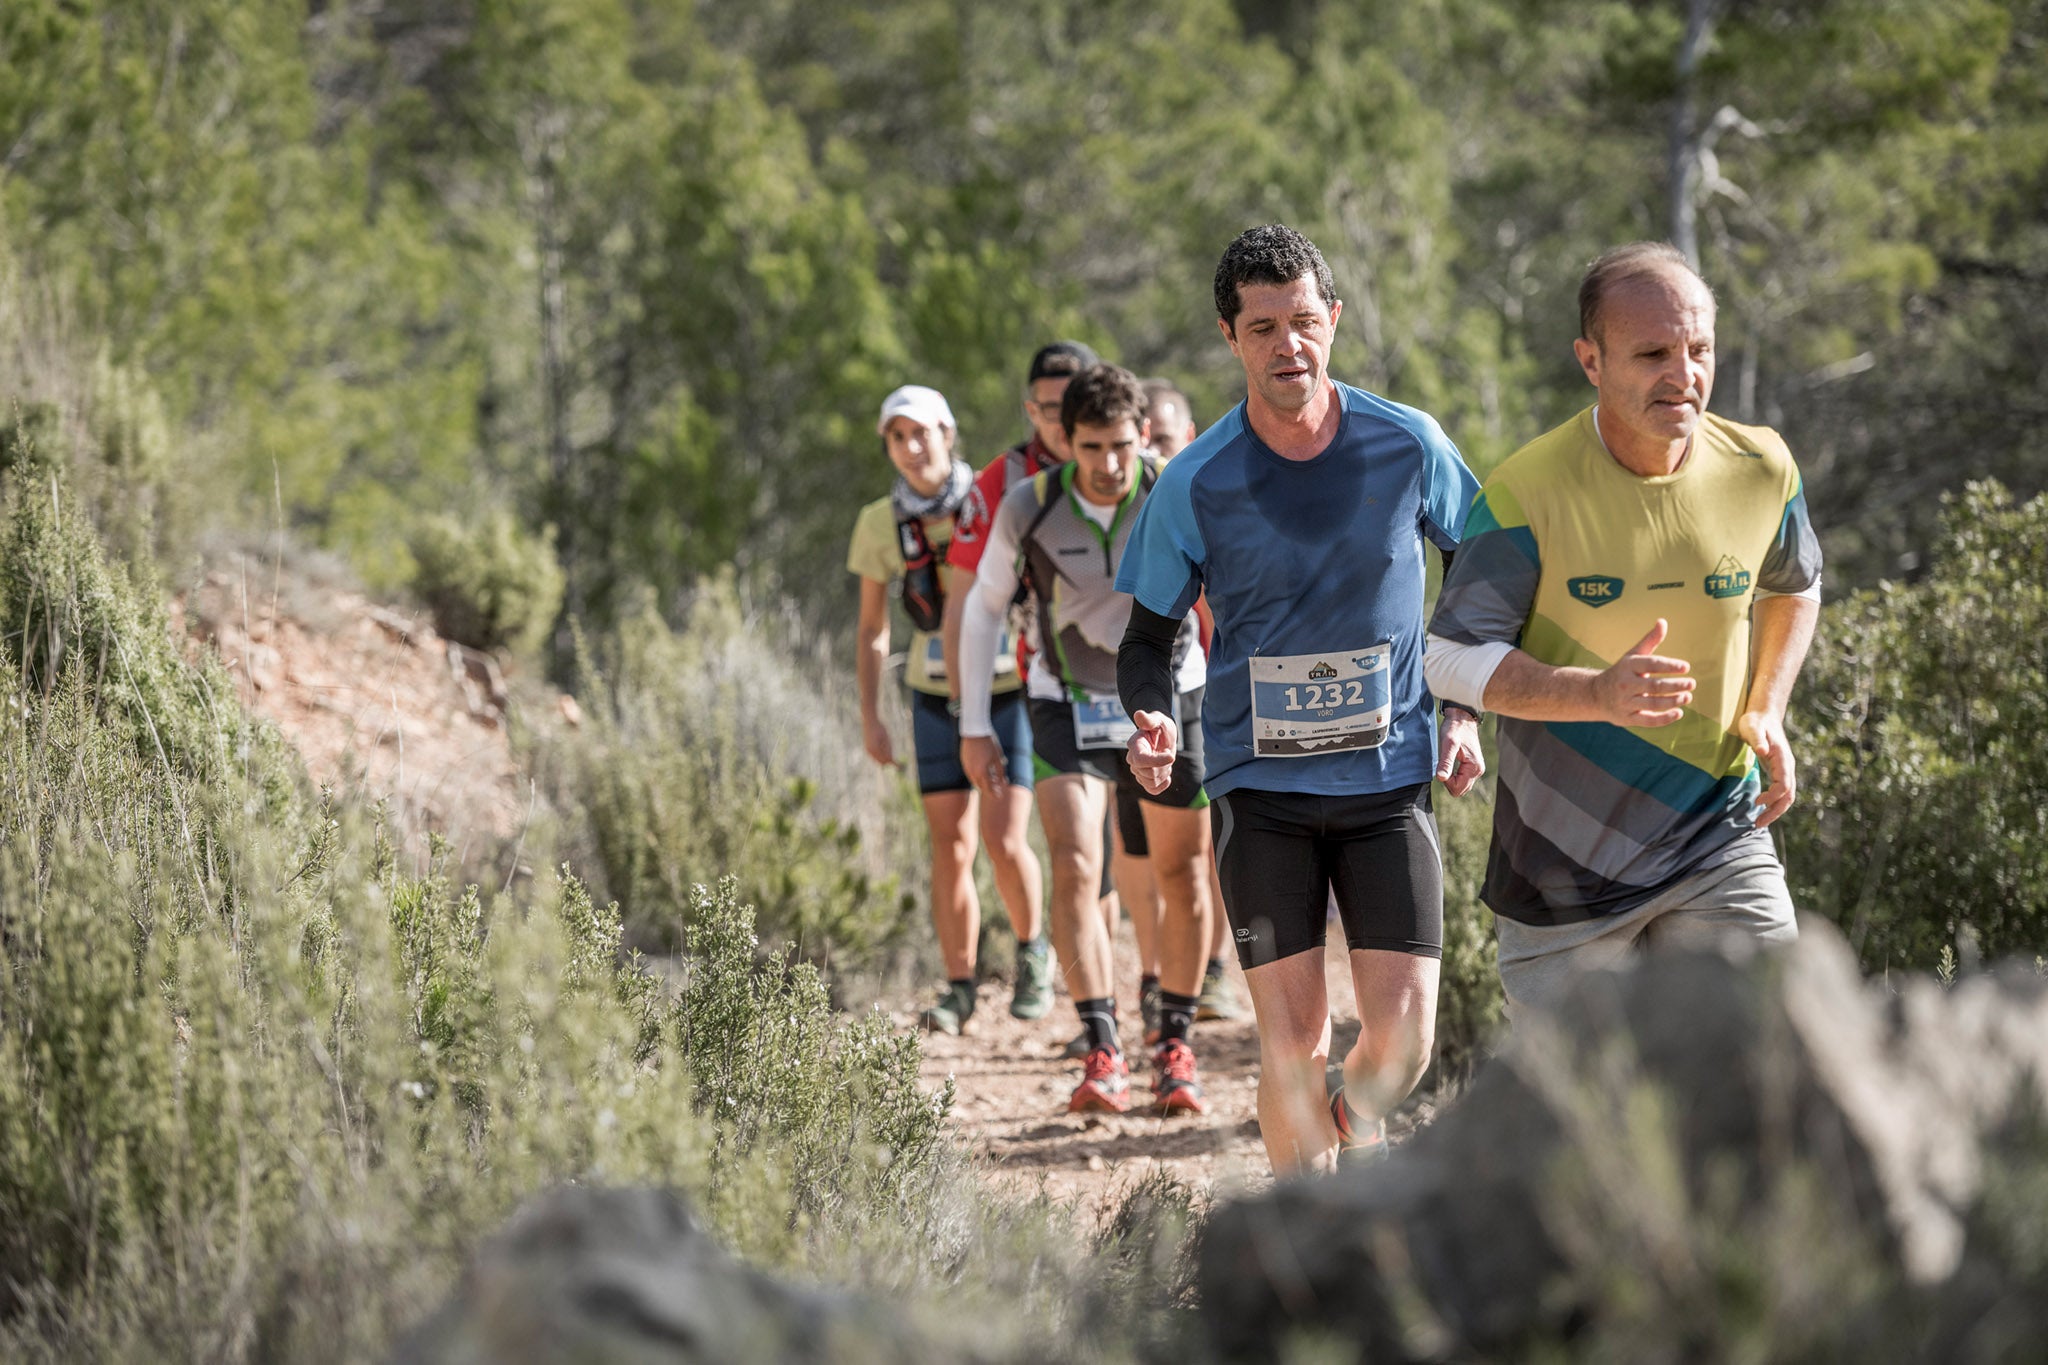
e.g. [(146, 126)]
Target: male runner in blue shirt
[(1304, 514)]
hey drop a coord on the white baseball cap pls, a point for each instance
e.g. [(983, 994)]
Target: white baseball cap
[(919, 404)]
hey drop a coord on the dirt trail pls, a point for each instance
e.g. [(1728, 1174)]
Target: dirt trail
[(1013, 1087)]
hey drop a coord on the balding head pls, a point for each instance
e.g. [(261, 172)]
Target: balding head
[(1173, 424), (1620, 267)]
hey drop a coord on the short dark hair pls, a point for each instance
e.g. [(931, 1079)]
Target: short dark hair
[(1272, 254), (1058, 360), (1102, 396), (1618, 265), (1160, 392)]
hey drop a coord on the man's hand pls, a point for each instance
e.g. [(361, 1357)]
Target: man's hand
[(875, 736), (1765, 733), (1644, 688), (1152, 749), (982, 760), (1459, 762)]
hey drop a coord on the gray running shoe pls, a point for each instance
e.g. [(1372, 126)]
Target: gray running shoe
[(1032, 997), (1218, 999), (1148, 1009), (955, 1008), (1077, 1047)]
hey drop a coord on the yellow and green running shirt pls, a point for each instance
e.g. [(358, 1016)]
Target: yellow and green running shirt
[(875, 554), (1572, 558)]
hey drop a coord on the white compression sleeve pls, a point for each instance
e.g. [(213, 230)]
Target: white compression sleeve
[(1459, 673), (979, 629)]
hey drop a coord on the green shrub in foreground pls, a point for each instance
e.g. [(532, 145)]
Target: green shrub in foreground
[(259, 1091), (729, 747)]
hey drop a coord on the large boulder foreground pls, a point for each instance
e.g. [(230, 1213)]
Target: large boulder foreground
[(1682, 1143), (629, 1277), (1693, 1160)]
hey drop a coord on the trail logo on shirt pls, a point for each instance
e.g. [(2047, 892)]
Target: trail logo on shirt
[(1596, 590), (1729, 578)]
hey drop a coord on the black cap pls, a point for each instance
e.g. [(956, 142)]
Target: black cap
[(1060, 360)]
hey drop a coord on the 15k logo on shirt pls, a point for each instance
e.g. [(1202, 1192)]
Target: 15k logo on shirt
[(1596, 590), (1729, 578)]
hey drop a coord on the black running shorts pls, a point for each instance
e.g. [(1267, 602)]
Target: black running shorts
[(1280, 855), (1130, 821), (1055, 753)]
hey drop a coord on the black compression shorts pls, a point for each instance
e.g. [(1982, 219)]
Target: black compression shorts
[(1280, 855), (1055, 753), (1130, 821)]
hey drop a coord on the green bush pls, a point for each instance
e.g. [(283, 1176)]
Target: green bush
[(1470, 1008), (259, 1091), (1922, 728), (67, 405), (114, 727), (489, 583), (712, 750)]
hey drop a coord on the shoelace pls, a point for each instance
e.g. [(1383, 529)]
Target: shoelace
[(1176, 1061)]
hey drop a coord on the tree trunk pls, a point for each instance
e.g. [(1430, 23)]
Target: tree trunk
[(1687, 136), (541, 152)]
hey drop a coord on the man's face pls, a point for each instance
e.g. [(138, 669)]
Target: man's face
[(1042, 410), (1106, 459), (1282, 338), (921, 454), (1654, 360), (1171, 430)]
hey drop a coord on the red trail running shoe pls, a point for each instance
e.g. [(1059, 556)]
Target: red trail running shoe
[(1174, 1087), (1105, 1084)]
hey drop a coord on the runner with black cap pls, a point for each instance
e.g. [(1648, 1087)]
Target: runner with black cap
[(1045, 383), (1060, 535)]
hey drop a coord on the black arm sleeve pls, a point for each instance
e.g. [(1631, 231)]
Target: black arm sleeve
[(1144, 662)]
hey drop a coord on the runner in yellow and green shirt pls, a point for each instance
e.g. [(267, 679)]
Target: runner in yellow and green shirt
[(902, 539), (1634, 595)]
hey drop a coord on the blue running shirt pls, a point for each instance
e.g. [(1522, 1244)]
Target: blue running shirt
[(1315, 574)]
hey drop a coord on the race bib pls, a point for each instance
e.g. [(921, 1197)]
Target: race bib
[(935, 657), (1100, 723), (1305, 704)]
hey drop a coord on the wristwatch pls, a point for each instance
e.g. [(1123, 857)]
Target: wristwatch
[(1444, 710)]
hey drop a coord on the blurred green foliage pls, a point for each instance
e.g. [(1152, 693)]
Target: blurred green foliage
[(1470, 1008), (643, 268), (711, 750), (489, 582), (1923, 716)]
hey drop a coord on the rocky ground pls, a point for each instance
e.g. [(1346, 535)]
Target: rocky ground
[(372, 698), (1013, 1088)]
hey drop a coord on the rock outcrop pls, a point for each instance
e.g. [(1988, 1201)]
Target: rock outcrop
[(1687, 1096), (627, 1277)]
